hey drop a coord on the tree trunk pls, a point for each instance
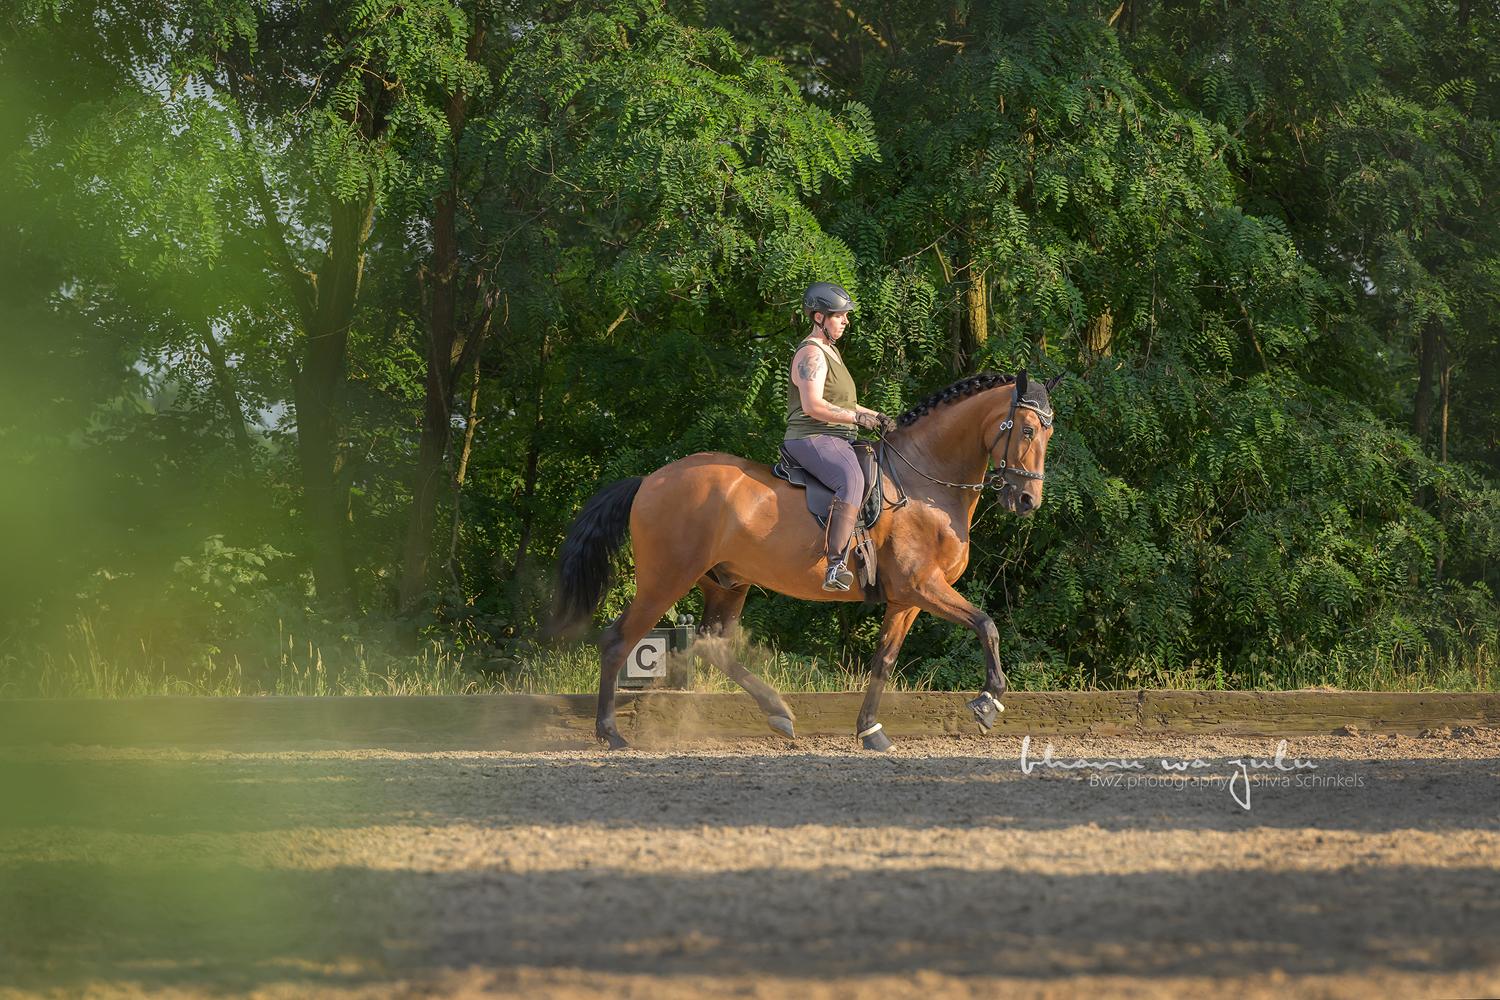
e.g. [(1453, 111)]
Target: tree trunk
[(1126, 18), (529, 478), (1100, 334), (443, 363), (228, 398), (458, 480), (324, 301), (969, 328), (322, 429), (436, 419), (956, 342), (1444, 370), (976, 312), (1421, 411)]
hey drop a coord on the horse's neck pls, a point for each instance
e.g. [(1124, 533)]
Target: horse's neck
[(948, 441)]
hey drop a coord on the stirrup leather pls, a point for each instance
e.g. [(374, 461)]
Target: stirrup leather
[(838, 576)]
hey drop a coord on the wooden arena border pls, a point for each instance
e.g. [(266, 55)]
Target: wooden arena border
[(541, 721)]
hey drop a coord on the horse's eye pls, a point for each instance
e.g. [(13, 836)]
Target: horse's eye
[(1028, 432)]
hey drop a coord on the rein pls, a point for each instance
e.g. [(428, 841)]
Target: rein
[(977, 487), (995, 480)]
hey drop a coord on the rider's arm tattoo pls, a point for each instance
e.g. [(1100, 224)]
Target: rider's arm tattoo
[(839, 413), (810, 365)]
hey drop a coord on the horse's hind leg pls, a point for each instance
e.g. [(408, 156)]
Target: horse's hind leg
[(652, 599), (721, 613), (898, 621)]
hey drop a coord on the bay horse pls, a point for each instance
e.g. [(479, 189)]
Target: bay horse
[(725, 524)]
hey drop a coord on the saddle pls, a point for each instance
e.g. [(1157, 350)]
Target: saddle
[(820, 498)]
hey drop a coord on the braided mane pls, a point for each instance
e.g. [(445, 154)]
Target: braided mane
[(958, 390)]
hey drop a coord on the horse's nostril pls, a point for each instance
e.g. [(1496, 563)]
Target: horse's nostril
[(1024, 501)]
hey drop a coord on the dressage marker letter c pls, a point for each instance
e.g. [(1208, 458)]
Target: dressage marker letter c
[(648, 658)]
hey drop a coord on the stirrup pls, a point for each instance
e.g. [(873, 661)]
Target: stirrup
[(838, 576)]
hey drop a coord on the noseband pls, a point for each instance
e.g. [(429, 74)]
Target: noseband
[(996, 480)]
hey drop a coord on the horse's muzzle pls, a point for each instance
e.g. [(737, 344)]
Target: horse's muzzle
[(1017, 500)]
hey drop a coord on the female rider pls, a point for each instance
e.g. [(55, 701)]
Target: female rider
[(822, 417)]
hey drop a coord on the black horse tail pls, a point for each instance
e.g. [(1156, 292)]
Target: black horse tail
[(583, 563)]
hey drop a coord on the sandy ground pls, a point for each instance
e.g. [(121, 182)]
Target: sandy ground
[(756, 869)]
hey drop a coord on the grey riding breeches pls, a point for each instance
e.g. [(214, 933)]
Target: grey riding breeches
[(832, 460)]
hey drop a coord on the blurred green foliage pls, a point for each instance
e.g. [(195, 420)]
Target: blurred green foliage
[(1266, 255)]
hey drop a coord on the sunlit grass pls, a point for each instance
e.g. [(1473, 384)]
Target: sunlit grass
[(1299, 670), (1387, 670), (84, 667), (575, 670)]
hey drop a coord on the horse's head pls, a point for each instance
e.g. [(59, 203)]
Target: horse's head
[(1018, 436)]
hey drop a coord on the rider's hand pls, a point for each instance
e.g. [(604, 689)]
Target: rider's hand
[(867, 421), (886, 424)]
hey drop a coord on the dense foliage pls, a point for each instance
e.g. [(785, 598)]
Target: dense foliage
[(322, 319)]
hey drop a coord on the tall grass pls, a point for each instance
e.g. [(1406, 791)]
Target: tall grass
[(576, 671), (1472, 669), (83, 666)]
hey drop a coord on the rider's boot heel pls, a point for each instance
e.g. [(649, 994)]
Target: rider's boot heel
[(838, 576)]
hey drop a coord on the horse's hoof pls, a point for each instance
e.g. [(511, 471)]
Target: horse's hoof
[(615, 740), (876, 739), (986, 709), (782, 725)]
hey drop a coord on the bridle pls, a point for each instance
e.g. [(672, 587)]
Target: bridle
[(995, 479)]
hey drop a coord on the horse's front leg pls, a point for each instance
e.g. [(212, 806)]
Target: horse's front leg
[(939, 597), (898, 619)]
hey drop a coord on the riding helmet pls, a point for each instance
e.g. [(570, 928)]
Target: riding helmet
[(826, 297)]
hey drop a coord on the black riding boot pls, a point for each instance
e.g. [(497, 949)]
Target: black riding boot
[(841, 517)]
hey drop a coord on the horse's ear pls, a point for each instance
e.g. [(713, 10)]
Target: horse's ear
[(1021, 384), (1051, 383)]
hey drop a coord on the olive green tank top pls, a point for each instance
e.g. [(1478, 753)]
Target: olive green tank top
[(838, 390)]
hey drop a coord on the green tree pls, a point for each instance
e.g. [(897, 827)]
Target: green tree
[(459, 301), (1260, 237), (1370, 132), (1069, 185), (626, 172), (317, 94)]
